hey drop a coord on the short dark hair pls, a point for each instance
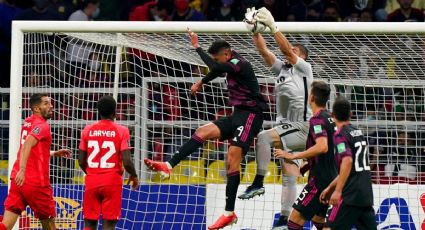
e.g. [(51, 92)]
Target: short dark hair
[(341, 109), (106, 106), (217, 46), (36, 99), (320, 91), (303, 49)]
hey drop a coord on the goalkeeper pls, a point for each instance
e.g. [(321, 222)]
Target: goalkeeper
[(292, 84), (241, 127)]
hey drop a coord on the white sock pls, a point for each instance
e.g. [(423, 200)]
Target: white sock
[(168, 165), (228, 213)]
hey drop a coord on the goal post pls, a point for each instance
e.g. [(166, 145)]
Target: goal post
[(149, 67)]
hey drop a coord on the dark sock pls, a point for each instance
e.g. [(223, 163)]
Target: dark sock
[(294, 226), (233, 180), (186, 149), (283, 220), (319, 226), (258, 180)]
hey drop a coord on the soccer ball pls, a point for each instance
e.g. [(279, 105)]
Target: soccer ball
[(252, 24)]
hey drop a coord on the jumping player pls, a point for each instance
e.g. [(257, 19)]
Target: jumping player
[(241, 127)]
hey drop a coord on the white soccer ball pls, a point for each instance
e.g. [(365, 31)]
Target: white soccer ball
[(252, 24)]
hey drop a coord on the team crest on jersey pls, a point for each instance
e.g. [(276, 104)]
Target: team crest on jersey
[(317, 129), (36, 130), (340, 147), (234, 61)]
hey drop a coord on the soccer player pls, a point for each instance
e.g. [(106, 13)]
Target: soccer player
[(241, 127), (292, 85), (320, 154), (104, 149), (29, 180), (352, 195)]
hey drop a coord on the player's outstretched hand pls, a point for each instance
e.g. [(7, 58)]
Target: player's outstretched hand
[(62, 153), (336, 196), (266, 17), (279, 153), (196, 87), (193, 38), (20, 177), (134, 182)]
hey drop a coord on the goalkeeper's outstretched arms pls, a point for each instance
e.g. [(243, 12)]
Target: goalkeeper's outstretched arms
[(266, 17), (260, 43)]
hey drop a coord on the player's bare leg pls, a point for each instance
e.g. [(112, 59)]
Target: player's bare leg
[(48, 224), (109, 224), (209, 131), (9, 220), (234, 159), (265, 141), (90, 224), (319, 222)]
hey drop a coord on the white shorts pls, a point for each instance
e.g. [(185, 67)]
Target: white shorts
[(293, 135)]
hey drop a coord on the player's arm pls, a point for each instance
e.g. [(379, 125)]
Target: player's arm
[(320, 147), (209, 77), (213, 65), (128, 163), (285, 47), (344, 172), (29, 143), (82, 160), (267, 55), (206, 58)]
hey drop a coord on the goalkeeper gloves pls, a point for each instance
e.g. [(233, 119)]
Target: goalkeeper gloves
[(266, 17)]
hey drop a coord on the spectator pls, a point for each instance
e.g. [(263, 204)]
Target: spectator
[(404, 157), (8, 12), (183, 12), (392, 5), (297, 10), (158, 10), (95, 74), (39, 12), (406, 13), (277, 8), (366, 16), (89, 10), (63, 7), (331, 14), (226, 12)]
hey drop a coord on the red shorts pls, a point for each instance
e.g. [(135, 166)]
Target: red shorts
[(104, 199), (40, 200)]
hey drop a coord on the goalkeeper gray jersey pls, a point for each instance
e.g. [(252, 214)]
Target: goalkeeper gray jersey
[(292, 87)]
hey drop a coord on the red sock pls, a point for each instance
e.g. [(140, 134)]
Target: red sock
[(2, 226), (294, 226), (85, 228)]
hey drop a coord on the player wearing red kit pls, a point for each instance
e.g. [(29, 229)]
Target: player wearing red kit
[(30, 183), (104, 148)]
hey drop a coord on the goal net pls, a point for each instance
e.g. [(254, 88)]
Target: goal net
[(150, 67)]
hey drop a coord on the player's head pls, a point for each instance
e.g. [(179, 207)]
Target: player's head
[(300, 50), (319, 94), (106, 107), (220, 50), (41, 104), (341, 109)]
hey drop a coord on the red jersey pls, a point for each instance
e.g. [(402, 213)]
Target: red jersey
[(37, 170), (104, 142)]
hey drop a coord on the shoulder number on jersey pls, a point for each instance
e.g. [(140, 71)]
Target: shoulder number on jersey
[(104, 159)]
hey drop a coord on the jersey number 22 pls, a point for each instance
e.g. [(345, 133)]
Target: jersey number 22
[(104, 159)]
